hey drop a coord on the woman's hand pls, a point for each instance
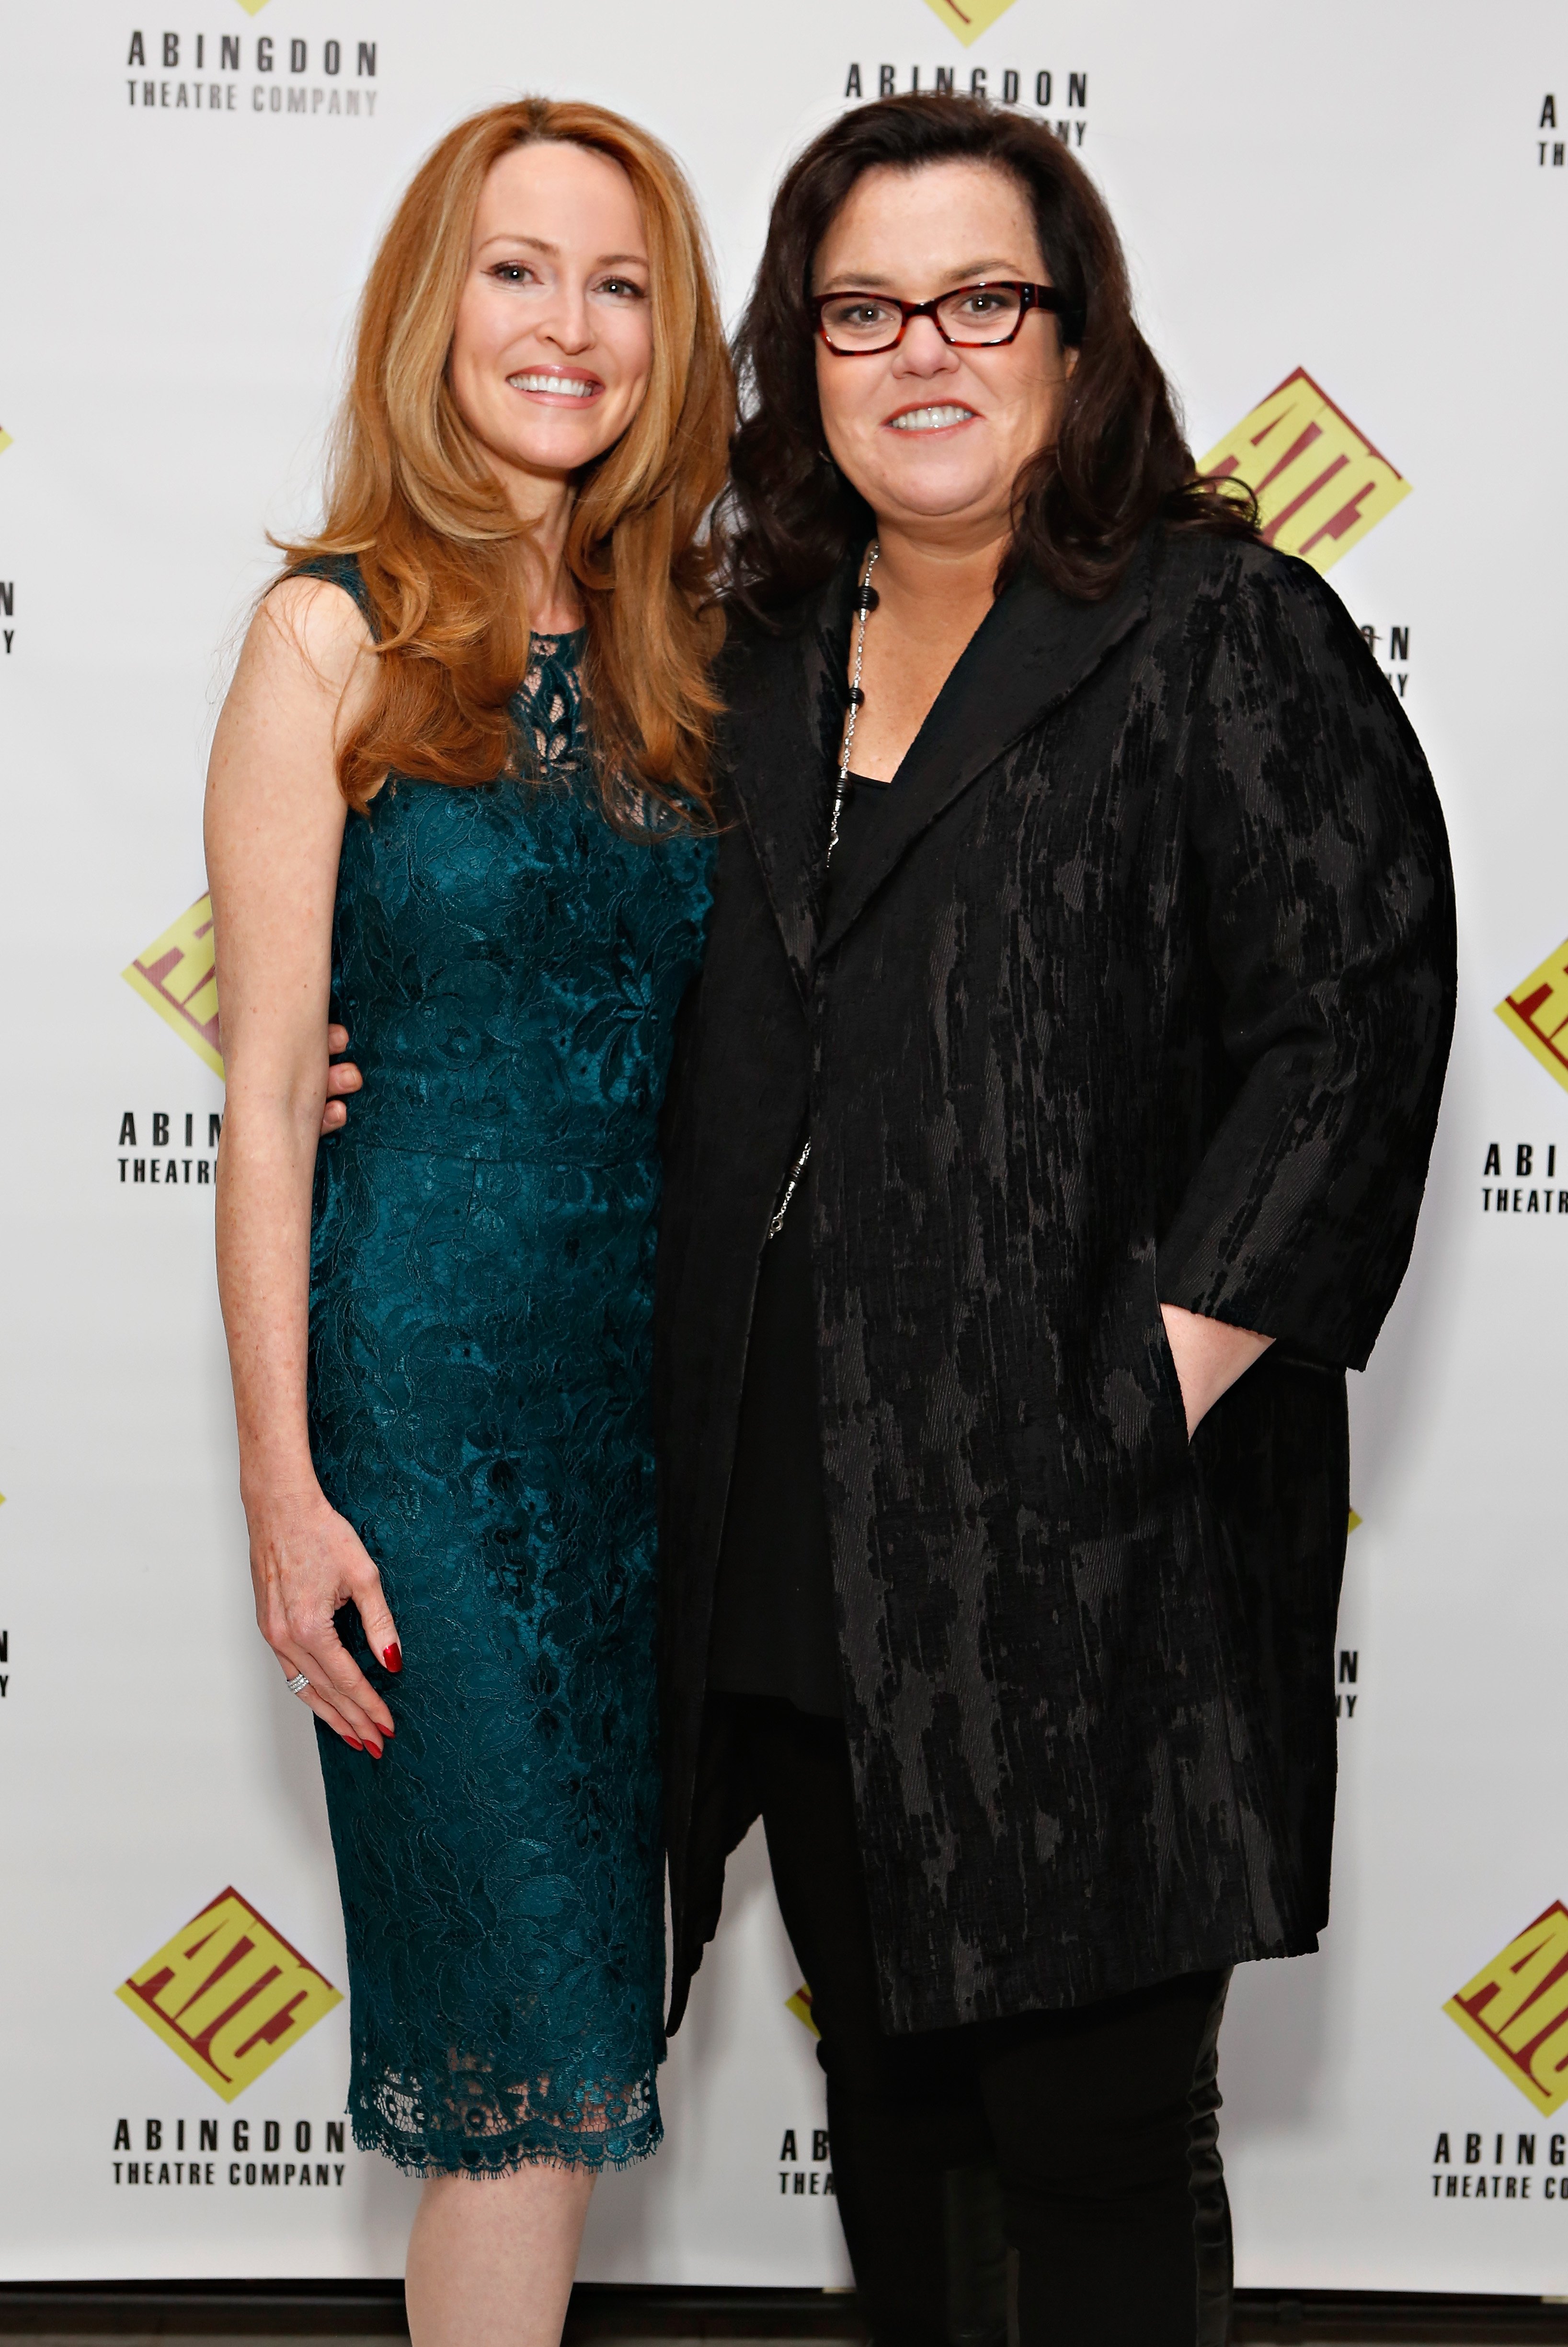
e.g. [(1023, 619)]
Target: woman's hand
[(341, 1079), (1210, 1356), (306, 1562)]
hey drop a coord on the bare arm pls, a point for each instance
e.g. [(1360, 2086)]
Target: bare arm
[(274, 826)]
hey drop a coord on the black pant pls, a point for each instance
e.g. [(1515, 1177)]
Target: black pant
[(1084, 2141)]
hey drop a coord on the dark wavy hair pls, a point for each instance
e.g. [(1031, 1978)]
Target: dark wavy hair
[(1120, 460)]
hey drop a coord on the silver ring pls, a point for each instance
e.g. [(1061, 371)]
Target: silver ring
[(298, 1684)]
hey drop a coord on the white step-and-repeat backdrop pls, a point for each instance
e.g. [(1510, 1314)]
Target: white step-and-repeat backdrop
[(1349, 230)]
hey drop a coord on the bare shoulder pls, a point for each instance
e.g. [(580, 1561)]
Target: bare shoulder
[(310, 631), (304, 677)]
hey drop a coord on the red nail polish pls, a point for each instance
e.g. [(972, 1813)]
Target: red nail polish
[(384, 1731), (373, 1750), (392, 1657), (355, 1742)]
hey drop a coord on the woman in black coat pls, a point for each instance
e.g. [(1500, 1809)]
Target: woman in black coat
[(1006, 1481)]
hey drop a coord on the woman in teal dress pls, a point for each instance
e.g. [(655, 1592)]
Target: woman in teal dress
[(458, 796)]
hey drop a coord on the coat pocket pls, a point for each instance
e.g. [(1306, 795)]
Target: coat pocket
[(1140, 1419), (1172, 1408)]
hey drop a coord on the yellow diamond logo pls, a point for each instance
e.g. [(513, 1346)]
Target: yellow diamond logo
[(1516, 2007), (968, 18), (1537, 1012), (253, 7), (1320, 485), (800, 2005), (228, 1994), (4, 440), (176, 974)]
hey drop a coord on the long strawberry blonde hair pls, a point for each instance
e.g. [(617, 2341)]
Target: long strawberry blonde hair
[(410, 495)]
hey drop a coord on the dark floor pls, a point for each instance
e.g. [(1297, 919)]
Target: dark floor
[(314, 2315)]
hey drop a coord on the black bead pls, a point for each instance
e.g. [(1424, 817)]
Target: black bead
[(868, 600), (857, 698)]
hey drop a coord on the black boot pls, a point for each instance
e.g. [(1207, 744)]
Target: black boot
[(1211, 2204)]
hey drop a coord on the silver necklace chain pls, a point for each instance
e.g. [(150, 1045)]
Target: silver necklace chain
[(856, 698), (790, 1187), (840, 795)]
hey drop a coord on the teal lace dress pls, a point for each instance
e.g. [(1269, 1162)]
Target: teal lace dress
[(509, 966)]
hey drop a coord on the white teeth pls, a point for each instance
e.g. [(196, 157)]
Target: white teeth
[(931, 419), (569, 386)]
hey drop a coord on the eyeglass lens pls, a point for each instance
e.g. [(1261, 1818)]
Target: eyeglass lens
[(975, 314)]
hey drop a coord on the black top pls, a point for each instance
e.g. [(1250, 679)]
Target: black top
[(774, 1627)]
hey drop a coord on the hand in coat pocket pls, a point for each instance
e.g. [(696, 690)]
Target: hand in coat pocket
[(1210, 1356)]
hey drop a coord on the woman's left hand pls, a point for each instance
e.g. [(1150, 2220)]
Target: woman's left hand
[(1210, 1356)]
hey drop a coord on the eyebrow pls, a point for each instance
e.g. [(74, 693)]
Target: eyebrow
[(542, 244), (845, 280)]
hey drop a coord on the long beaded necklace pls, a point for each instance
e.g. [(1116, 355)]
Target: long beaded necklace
[(866, 603)]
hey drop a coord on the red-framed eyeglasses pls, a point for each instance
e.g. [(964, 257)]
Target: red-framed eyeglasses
[(969, 318)]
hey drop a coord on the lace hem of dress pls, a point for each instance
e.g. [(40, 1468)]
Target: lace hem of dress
[(611, 2130)]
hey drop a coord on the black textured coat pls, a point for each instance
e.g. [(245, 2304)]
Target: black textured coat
[(1144, 995)]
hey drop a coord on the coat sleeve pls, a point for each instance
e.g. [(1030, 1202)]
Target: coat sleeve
[(1331, 935)]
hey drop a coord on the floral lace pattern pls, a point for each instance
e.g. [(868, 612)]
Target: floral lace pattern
[(509, 966)]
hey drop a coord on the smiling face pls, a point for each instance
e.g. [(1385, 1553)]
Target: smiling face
[(934, 437), (553, 341)]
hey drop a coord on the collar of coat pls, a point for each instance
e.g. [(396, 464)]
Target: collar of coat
[(787, 696)]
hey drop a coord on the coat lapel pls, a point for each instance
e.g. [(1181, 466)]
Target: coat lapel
[(1032, 649), (787, 697)]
